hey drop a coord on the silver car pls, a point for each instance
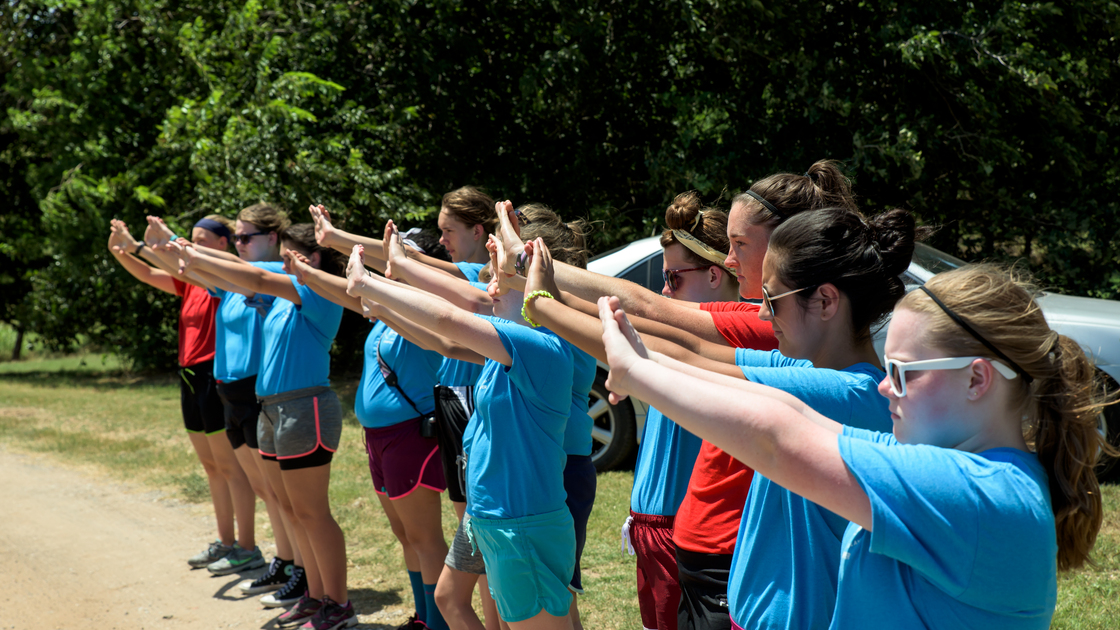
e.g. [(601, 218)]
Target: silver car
[(1093, 323)]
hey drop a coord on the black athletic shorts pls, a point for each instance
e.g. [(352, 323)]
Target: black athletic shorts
[(242, 410), (198, 397), (454, 406), (703, 578)]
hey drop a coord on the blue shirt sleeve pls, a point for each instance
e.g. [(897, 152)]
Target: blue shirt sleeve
[(847, 396), (966, 522), (538, 357), (470, 270)]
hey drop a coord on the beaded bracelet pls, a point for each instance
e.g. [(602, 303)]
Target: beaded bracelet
[(525, 305)]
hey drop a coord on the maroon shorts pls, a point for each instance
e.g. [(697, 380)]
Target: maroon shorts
[(400, 460), (659, 592)]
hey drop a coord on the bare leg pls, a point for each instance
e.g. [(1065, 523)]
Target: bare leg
[(411, 560), (219, 490), (489, 606), (453, 596), (298, 536), (543, 621), (240, 491), (307, 490), (573, 613), (420, 513), (253, 465)]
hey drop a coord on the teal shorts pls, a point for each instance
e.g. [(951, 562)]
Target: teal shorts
[(529, 562)]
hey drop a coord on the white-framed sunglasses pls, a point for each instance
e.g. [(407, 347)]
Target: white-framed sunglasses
[(896, 370)]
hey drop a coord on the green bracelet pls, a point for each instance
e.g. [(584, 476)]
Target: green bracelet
[(525, 305)]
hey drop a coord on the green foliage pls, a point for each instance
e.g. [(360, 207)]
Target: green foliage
[(995, 120)]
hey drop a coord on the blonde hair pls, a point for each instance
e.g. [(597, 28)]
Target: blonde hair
[(566, 242), (1061, 405), (267, 217), (708, 225), (473, 207)]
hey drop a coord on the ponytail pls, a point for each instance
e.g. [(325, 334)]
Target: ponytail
[(1061, 405), (567, 242), (781, 196)]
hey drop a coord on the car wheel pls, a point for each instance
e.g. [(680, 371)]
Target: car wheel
[(614, 428), (1108, 469)]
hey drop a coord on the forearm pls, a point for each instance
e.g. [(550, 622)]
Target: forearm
[(210, 280), (427, 339), (455, 290), (331, 287), (155, 278), (248, 277)]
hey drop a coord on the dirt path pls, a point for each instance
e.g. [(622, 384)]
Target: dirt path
[(78, 550)]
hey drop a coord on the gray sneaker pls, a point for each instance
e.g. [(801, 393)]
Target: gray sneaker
[(238, 559), (216, 551)]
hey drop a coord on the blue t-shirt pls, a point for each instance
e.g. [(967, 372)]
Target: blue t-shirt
[(297, 342), (456, 373), (376, 403), (470, 270), (577, 437), (514, 442), (237, 337), (666, 457), (960, 540), (784, 571)]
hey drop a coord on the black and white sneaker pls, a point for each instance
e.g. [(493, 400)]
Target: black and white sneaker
[(288, 594), (278, 573)]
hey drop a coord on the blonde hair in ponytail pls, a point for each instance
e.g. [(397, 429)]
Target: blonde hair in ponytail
[(1060, 407), (566, 242)]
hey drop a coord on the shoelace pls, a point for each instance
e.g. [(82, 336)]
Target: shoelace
[(291, 584), (273, 569)]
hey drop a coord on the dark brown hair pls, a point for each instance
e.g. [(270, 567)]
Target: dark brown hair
[(302, 235), (473, 207), (824, 185)]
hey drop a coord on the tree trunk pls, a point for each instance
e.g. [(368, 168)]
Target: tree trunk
[(19, 344)]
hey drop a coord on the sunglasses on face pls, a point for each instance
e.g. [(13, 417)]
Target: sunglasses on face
[(896, 370), (245, 238), (768, 300), (672, 276)]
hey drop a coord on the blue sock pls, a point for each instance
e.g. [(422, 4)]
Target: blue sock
[(418, 595), (435, 617)]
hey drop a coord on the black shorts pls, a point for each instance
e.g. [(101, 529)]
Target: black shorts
[(703, 578), (580, 482), (198, 397), (454, 406), (241, 411)]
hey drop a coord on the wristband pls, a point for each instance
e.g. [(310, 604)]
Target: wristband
[(521, 263), (138, 248), (525, 305)]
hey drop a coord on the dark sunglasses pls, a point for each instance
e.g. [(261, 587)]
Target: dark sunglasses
[(245, 238), (672, 278), (768, 300)]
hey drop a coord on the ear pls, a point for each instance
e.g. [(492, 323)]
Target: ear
[(478, 231), (981, 376), (316, 260), (273, 239), (830, 300), (715, 276)]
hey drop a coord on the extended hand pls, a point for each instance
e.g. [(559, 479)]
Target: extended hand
[(324, 229), (509, 234), (623, 345), (297, 265), (120, 241), (541, 270), (158, 234), (355, 271)]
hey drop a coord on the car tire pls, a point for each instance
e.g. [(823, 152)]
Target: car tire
[(614, 428), (1108, 469)]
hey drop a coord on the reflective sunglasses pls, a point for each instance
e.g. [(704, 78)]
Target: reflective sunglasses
[(896, 370), (245, 238), (768, 300), (672, 278)]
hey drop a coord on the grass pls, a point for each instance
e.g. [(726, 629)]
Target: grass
[(85, 411)]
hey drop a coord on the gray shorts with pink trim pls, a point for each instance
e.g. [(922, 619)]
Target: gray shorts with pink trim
[(300, 428)]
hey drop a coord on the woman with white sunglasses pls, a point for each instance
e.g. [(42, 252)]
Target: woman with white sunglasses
[(963, 516)]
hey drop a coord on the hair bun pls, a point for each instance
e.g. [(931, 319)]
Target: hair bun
[(894, 234), (682, 213)]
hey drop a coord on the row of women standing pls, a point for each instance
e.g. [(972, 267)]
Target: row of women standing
[(749, 528)]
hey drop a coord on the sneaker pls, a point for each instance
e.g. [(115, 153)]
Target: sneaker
[(216, 551), (278, 573), (413, 624), (332, 616), (288, 594), (304, 609), (239, 559)]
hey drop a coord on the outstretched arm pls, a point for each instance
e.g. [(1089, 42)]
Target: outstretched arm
[(427, 310), (768, 430), (249, 277), (121, 245), (453, 289), (325, 284), (423, 337)]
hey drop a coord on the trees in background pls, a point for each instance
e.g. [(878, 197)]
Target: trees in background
[(995, 120)]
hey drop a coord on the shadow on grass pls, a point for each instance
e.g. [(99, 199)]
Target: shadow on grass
[(107, 380)]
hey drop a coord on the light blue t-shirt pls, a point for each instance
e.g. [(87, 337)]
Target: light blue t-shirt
[(666, 457), (514, 441), (456, 373), (297, 342), (376, 403), (784, 571), (960, 540), (577, 437), (470, 270), (237, 337)]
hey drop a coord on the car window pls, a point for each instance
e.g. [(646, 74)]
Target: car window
[(647, 273), (935, 260)]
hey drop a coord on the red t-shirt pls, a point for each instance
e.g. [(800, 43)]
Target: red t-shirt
[(739, 324), (196, 323), (708, 519)]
